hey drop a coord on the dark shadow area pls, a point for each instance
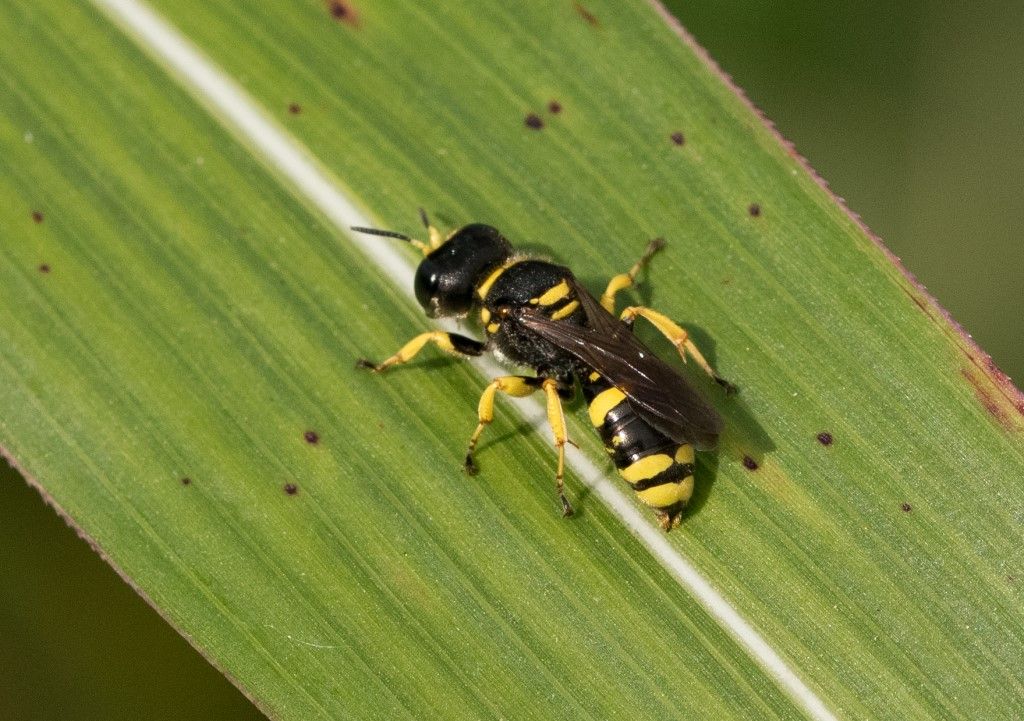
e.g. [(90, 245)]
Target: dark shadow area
[(742, 430), (521, 430), (78, 643), (703, 481), (417, 364)]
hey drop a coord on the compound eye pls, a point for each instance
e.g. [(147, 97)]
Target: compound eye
[(427, 284)]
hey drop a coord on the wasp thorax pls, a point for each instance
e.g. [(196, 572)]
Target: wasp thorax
[(446, 278)]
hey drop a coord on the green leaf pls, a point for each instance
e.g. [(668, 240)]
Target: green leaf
[(198, 314)]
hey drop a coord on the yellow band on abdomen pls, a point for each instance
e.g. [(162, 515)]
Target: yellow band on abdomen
[(604, 402), (646, 468), (667, 494)]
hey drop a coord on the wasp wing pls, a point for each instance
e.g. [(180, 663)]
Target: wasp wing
[(653, 388)]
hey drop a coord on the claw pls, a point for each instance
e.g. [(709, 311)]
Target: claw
[(730, 389), (669, 519)]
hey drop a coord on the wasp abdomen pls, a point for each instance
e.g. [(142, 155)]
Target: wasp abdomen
[(658, 469)]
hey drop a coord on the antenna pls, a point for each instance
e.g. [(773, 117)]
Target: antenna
[(423, 247), (436, 239), (385, 233)]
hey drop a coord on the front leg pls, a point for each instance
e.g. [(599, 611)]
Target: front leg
[(449, 342)]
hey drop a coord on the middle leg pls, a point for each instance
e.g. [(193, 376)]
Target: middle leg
[(521, 386), (556, 418), (517, 386)]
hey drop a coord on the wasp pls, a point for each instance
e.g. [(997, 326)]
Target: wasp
[(535, 313)]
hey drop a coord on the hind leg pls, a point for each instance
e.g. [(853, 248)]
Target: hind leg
[(677, 336)]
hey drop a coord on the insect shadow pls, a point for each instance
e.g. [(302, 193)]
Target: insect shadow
[(433, 364), (743, 434)]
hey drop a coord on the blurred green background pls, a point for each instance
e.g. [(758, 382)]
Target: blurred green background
[(912, 111)]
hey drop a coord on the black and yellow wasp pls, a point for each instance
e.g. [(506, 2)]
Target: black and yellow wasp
[(536, 314)]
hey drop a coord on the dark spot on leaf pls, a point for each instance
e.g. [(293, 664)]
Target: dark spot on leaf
[(186, 481), (37, 216), (677, 138), (44, 267), (294, 108), (906, 507), (749, 463), (343, 11), (585, 14), (533, 121), (754, 210), (555, 107), (311, 437), (1011, 579), (825, 438), (291, 489)]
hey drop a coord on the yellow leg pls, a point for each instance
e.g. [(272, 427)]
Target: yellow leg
[(625, 280), (521, 386), (518, 386), (677, 336), (449, 342), (556, 418), (433, 234)]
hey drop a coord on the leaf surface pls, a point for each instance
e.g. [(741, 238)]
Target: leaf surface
[(198, 316)]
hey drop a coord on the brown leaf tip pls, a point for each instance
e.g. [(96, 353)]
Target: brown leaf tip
[(312, 437), (291, 489), (754, 210), (906, 507), (749, 463), (825, 438), (678, 138)]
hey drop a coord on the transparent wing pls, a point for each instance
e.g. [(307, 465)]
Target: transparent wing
[(653, 388)]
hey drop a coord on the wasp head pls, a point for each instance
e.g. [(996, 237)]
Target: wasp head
[(448, 276)]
